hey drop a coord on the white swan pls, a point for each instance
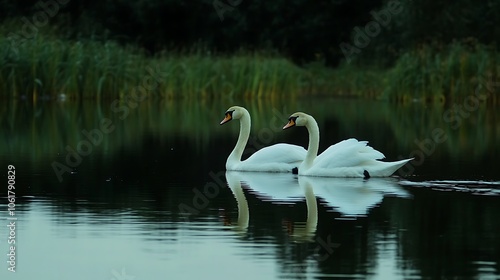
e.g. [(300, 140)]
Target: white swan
[(275, 158), (348, 158)]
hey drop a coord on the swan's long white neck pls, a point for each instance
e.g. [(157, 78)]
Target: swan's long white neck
[(235, 156), (312, 149)]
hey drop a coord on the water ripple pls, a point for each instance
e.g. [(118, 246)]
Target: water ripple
[(488, 188)]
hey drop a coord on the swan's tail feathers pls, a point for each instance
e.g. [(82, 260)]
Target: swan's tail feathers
[(385, 169), (370, 152), (366, 151)]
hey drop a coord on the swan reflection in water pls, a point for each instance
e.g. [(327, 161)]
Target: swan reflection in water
[(234, 182), (351, 197), (278, 189), (305, 231)]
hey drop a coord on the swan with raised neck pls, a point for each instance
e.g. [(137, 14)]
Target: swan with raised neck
[(276, 158), (348, 158)]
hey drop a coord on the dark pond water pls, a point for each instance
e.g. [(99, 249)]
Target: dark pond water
[(150, 197)]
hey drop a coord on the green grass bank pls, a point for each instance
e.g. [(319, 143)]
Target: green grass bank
[(47, 67)]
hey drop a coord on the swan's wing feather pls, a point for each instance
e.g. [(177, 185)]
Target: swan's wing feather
[(279, 153), (347, 153)]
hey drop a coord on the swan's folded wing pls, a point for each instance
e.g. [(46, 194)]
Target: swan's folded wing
[(347, 153), (279, 153)]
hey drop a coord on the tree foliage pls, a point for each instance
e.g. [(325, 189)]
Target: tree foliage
[(300, 29)]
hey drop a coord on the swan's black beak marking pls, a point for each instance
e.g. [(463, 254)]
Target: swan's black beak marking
[(291, 122), (228, 117)]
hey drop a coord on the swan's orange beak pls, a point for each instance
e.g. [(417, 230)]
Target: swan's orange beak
[(226, 119), (291, 122)]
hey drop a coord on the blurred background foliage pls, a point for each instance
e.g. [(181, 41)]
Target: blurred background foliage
[(298, 29), (400, 50)]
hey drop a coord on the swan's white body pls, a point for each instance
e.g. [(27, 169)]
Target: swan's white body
[(348, 158), (275, 158)]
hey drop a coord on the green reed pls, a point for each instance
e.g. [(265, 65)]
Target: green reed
[(50, 67), (443, 74), (47, 67), (247, 75)]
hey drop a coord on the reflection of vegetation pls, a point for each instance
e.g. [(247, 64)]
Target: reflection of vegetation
[(44, 130), (453, 229)]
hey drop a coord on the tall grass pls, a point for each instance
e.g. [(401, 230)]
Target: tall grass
[(47, 67), (450, 73), (247, 75)]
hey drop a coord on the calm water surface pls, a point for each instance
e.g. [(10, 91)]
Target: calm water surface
[(151, 199)]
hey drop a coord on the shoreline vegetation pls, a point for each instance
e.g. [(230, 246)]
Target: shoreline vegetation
[(47, 67)]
